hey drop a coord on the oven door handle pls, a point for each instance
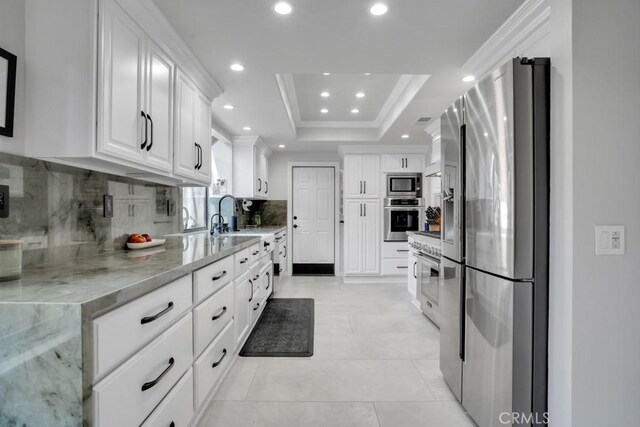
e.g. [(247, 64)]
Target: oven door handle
[(405, 208)]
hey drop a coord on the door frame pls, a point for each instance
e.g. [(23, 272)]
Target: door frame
[(336, 214)]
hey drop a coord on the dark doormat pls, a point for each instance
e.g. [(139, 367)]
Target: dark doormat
[(285, 329)]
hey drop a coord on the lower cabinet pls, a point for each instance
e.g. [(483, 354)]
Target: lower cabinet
[(362, 236), (412, 274), (210, 367), (243, 297), (177, 408)]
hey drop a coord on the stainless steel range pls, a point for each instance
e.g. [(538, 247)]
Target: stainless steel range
[(426, 250)]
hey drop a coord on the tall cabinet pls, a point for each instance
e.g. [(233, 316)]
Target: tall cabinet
[(362, 214), (250, 168)]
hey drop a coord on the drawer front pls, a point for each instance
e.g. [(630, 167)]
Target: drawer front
[(395, 249), (254, 251), (395, 266), (177, 408), (211, 316), (121, 332), (209, 279), (129, 394), (241, 262), (209, 367)]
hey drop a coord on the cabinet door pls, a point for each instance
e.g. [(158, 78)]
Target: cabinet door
[(412, 264), (370, 235), (353, 211), (352, 178), (203, 137), (159, 108), (414, 162), (242, 304), (121, 125), (392, 162), (184, 161), (371, 175), (258, 176), (264, 171)]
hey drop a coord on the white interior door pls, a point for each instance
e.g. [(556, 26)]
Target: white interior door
[(313, 218)]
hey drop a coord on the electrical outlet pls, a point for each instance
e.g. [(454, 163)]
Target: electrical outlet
[(4, 201), (107, 203), (609, 240)]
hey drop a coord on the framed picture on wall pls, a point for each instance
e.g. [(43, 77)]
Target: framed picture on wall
[(8, 63)]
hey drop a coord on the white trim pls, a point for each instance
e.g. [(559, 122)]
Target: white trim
[(528, 24), (282, 83), (433, 128), (351, 279), (336, 204), (383, 149)]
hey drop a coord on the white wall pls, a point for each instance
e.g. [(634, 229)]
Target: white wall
[(278, 166), (606, 177), (12, 39)]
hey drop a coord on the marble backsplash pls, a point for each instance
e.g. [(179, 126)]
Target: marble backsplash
[(271, 212), (57, 210)]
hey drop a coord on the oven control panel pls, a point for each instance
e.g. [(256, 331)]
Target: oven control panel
[(425, 245)]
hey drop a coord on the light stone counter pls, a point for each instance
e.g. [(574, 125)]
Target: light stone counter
[(45, 335)]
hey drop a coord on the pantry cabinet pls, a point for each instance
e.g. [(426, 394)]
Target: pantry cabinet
[(362, 176), (250, 168), (362, 237), (403, 162)]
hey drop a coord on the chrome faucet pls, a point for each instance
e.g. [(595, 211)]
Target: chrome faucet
[(219, 226)]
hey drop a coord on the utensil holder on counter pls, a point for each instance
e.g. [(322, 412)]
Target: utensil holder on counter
[(10, 259)]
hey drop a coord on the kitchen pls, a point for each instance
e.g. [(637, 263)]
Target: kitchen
[(123, 117)]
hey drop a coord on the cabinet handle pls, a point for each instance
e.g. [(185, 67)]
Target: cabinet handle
[(151, 141), (224, 353), (365, 186), (243, 260), (268, 280), (150, 319), (360, 209), (266, 187), (144, 143), (285, 251), (133, 210), (256, 277), (197, 156), (256, 307), (150, 384), (360, 187), (402, 250), (402, 267), (219, 276), (365, 209), (251, 281), (217, 316), (201, 157), (255, 253), (259, 185), (414, 270)]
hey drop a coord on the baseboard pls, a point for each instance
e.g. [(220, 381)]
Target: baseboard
[(375, 279)]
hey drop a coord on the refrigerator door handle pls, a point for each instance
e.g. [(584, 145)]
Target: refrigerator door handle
[(463, 306)]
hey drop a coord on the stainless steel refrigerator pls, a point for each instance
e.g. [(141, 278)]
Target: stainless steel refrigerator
[(494, 283)]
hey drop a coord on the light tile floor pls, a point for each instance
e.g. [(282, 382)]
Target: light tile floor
[(375, 363)]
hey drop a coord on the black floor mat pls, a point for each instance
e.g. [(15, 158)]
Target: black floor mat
[(285, 329)]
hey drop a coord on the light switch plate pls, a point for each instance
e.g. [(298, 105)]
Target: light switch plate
[(609, 240)]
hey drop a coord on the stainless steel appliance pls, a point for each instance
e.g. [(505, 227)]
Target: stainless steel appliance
[(494, 281), (404, 185), (402, 215), (427, 272)]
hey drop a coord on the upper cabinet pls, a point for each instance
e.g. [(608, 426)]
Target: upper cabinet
[(250, 168), (362, 176), (403, 162), (136, 102)]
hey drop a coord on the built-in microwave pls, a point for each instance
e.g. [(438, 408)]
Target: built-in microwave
[(404, 185)]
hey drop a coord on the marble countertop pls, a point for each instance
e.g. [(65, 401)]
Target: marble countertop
[(101, 283)]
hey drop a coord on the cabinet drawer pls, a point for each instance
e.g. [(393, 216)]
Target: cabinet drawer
[(209, 367), (177, 408), (211, 316), (129, 394), (241, 262), (394, 266), (254, 251), (121, 332), (395, 249), (209, 279)]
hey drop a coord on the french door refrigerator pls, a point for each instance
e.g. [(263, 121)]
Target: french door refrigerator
[(502, 280)]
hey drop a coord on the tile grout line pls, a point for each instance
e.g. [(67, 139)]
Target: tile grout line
[(253, 378), (375, 411)]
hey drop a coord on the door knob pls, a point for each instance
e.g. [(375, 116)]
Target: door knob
[(295, 225), (295, 217)]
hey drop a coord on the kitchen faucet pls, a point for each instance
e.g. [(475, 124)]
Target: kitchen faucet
[(219, 226)]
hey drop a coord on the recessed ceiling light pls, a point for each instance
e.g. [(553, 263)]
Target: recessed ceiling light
[(282, 8), (326, 74), (378, 9), (237, 67), (281, 146), (324, 111), (468, 78), (228, 107), (367, 74), (325, 94), (360, 95), (355, 111), (246, 128), (405, 136)]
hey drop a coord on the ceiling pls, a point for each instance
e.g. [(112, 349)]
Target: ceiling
[(413, 53)]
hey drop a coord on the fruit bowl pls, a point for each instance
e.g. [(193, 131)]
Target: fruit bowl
[(151, 244)]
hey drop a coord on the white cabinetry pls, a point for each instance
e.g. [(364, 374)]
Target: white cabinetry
[(412, 263), (362, 175), (403, 162), (250, 168), (119, 101), (193, 132), (362, 237), (243, 296)]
